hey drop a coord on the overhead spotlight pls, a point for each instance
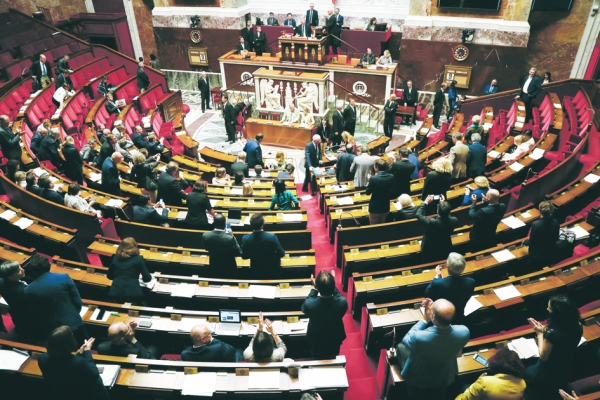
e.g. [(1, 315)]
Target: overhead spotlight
[(468, 35), (195, 22)]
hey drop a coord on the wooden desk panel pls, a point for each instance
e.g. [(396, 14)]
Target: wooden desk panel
[(276, 133)]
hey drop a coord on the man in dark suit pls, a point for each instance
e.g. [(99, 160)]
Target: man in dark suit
[(12, 290), (331, 29), (312, 159), (111, 181), (144, 213), (52, 300), (312, 16), (411, 98), (142, 79), (254, 151), (108, 147), (41, 71), (302, 30), (63, 65), (240, 165), (154, 146), (272, 21), (288, 173), (402, 171), (382, 188), (530, 87), (324, 130), (222, 249), (343, 164), (259, 41), (350, 117), (437, 242), (455, 288), (171, 185), (476, 158), (122, 342), (339, 22), (111, 105), (485, 220), (491, 88), (204, 88), (368, 58), (438, 104), (289, 21), (36, 140), (48, 191), (249, 32), (242, 46), (337, 127), (325, 307), (49, 148), (390, 115), (63, 77), (9, 141), (32, 184), (139, 137), (230, 117), (263, 249), (208, 349)]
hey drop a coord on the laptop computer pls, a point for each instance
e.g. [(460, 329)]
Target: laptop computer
[(234, 215), (230, 323)]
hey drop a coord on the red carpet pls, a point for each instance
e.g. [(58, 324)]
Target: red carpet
[(360, 368)]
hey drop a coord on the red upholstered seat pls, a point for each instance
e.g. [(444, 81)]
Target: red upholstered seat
[(186, 108)]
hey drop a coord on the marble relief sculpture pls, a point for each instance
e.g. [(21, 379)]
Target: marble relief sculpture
[(269, 94), (308, 97)]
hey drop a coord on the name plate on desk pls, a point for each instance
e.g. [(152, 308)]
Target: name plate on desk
[(385, 247), (353, 251), (186, 254), (406, 273), (90, 271), (382, 311), (292, 320), (141, 368), (367, 279), (163, 280), (203, 284), (213, 319), (243, 285), (501, 344), (242, 371), (190, 370), (176, 317), (252, 320), (133, 313), (284, 286)]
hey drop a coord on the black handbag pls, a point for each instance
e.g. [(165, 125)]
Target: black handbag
[(150, 184)]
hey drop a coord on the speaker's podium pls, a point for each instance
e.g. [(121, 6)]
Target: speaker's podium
[(301, 50)]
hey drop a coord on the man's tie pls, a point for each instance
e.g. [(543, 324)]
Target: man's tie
[(43, 69)]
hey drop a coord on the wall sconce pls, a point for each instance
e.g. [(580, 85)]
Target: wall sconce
[(468, 35)]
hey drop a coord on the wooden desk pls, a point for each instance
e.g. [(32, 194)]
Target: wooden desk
[(301, 50), (407, 110), (557, 120), (568, 197), (13, 252), (279, 134)]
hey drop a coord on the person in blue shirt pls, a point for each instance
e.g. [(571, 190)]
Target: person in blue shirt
[(412, 157), (254, 151), (483, 185), (452, 97), (491, 88), (283, 199)]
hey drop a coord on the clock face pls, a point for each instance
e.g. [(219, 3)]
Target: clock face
[(196, 36), (460, 53)]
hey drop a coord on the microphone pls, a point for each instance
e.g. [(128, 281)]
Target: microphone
[(527, 176)]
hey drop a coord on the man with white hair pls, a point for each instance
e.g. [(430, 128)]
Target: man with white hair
[(240, 165), (204, 88), (122, 342), (41, 72), (291, 115), (142, 79), (338, 124), (486, 218), (390, 115), (111, 181), (455, 288), (49, 148), (313, 158), (302, 30), (205, 348)]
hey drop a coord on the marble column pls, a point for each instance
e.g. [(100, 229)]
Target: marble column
[(586, 46), (517, 10), (89, 6), (133, 30)]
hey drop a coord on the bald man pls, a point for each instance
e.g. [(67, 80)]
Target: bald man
[(486, 218), (428, 353), (208, 349), (111, 181), (122, 342)]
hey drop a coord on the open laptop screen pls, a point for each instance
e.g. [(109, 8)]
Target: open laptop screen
[(229, 316)]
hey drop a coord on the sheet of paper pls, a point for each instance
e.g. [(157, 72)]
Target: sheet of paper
[(579, 232), (513, 222), (516, 166), (109, 375), (264, 379), (95, 314), (213, 202), (557, 105), (181, 215), (521, 119), (95, 177), (84, 309), (472, 306), (525, 348), (323, 377), (331, 157), (507, 292), (297, 327), (292, 217), (248, 329), (201, 384), (345, 201), (209, 217), (306, 197), (3, 302), (398, 205), (114, 203), (521, 108), (150, 285), (237, 191), (493, 154), (11, 360), (487, 125), (526, 214), (262, 291), (581, 341), (503, 255), (591, 178), (338, 188), (536, 154), (8, 214), (23, 223), (183, 290), (251, 173), (186, 324)]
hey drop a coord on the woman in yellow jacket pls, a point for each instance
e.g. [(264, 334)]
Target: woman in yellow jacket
[(504, 381)]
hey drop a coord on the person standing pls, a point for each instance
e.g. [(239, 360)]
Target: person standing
[(411, 98), (12, 289), (331, 31), (204, 88), (474, 128), (437, 182), (455, 288), (111, 181), (171, 185), (240, 165), (402, 171), (477, 157), (325, 307), (458, 156), (283, 198), (144, 174), (312, 16), (199, 206), (390, 115), (263, 249), (344, 163), (73, 161), (259, 41), (382, 188), (230, 117), (324, 130), (337, 128), (10, 142), (543, 237), (362, 167), (222, 249), (41, 72), (428, 353), (437, 241), (49, 149), (249, 31), (313, 158), (438, 104), (154, 62), (142, 78), (350, 117), (453, 96), (254, 151), (125, 269), (530, 87), (485, 220)]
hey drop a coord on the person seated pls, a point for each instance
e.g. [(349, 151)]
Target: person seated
[(122, 342), (62, 94), (205, 348), (482, 186), (474, 128), (139, 137), (155, 146), (104, 87), (280, 161), (90, 152), (240, 165), (36, 140), (49, 192), (11, 169), (371, 26), (528, 137), (74, 200), (258, 171), (272, 21), (145, 213), (521, 149), (289, 21), (368, 58), (20, 178), (247, 190), (283, 199), (307, 117), (112, 106), (122, 146), (32, 184), (238, 179), (261, 345), (291, 115), (120, 132), (302, 30), (61, 79), (408, 211), (49, 148), (242, 48), (221, 177), (386, 59), (288, 173), (63, 65), (12, 289)]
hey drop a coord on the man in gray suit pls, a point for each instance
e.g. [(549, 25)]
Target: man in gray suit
[(362, 167), (343, 164), (458, 156), (428, 355)]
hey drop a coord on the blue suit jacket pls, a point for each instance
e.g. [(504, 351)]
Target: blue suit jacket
[(148, 215), (36, 142), (52, 300), (476, 160), (253, 153), (489, 89), (265, 252), (325, 326), (456, 289), (287, 22), (215, 351), (432, 362), (53, 196), (110, 178)]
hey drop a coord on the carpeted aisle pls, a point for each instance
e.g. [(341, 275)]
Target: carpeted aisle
[(360, 368)]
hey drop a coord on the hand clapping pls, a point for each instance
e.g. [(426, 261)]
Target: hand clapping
[(537, 326), (87, 345)]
